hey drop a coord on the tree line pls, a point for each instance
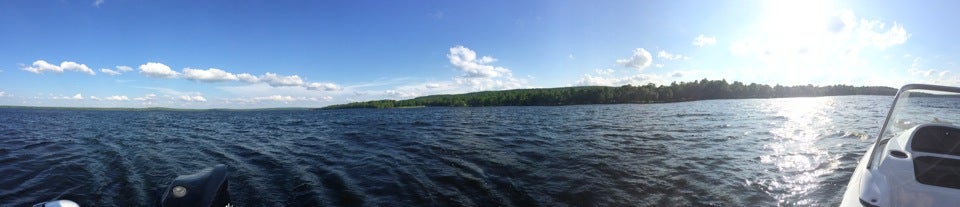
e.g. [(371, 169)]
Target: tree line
[(650, 93)]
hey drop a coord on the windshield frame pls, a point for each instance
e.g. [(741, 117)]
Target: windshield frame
[(902, 96)]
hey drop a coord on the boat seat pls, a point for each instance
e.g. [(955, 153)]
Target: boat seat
[(936, 139), (932, 169)]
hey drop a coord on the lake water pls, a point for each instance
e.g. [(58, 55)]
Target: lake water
[(754, 152)]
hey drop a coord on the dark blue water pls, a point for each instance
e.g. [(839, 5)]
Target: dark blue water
[(797, 151)]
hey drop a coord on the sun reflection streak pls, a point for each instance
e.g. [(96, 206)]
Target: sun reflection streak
[(796, 159)]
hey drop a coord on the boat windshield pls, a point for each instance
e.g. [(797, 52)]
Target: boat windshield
[(921, 104)]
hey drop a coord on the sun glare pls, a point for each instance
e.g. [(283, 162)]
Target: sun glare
[(800, 41), (797, 20)]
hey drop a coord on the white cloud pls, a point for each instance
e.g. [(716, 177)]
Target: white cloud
[(196, 98), (157, 70), (97, 3), (703, 40), (74, 97), (148, 97), (323, 87), (639, 79), (117, 98), (663, 54), (466, 60), (246, 77), (607, 71), (67, 65), (120, 69), (95, 98), (2, 94), (275, 98), (109, 72), (124, 68), (683, 73), (208, 75), (278, 98), (277, 81), (872, 33), (400, 94), (484, 84), (41, 66), (640, 59)]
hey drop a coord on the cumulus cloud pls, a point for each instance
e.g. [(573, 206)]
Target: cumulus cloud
[(2, 94), (148, 97), (73, 66), (683, 73), (120, 69), (74, 97), (874, 33), (483, 84), (703, 40), (400, 94), (466, 60), (117, 98), (246, 77), (208, 75), (639, 79), (277, 81), (124, 68), (41, 66), (157, 70), (478, 74), (323, 87), (639, 60), (663, 54), (279, 98), (607, 71), (194, 98), (109, 72)]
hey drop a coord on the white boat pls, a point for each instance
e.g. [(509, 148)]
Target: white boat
[(916, 158)]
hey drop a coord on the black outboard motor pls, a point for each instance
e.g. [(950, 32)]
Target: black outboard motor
[(207, 188)]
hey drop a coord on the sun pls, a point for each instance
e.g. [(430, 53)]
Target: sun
[(797, 42), (796, 23)]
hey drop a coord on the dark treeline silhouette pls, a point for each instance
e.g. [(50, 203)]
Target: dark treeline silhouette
[(650, 93)]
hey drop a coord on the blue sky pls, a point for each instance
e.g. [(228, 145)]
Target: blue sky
[(253, 54)]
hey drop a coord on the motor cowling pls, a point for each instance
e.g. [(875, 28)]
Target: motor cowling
[(207, 188)]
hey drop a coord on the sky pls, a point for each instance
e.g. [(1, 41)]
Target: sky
[(265, 54)]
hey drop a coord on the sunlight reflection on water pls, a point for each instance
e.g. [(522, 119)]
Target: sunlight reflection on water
[(794, 153)]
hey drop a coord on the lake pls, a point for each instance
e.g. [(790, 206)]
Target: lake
[(751, 152)]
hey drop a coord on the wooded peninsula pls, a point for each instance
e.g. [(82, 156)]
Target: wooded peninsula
[(650, 93)]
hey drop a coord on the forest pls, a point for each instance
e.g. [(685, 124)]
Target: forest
[(650, 93)]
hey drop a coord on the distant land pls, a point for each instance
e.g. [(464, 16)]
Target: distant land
[(144, 109), (650, 93)]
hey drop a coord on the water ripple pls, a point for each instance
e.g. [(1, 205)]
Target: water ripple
[(797, 151)]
